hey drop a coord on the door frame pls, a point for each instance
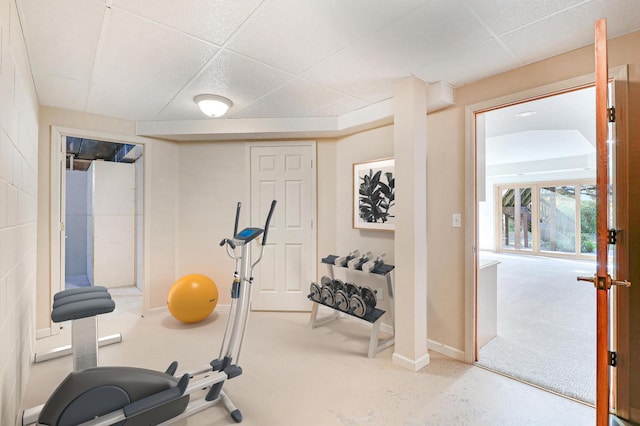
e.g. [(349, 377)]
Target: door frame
[(56, 232), (314, 188), (472, 168)]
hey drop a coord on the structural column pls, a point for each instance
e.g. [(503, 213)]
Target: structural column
[(410, 151)]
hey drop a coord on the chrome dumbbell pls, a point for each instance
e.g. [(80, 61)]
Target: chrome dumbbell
[(363, 302)]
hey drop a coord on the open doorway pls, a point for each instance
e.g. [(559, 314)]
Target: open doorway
[(536, 233), (103, 213)]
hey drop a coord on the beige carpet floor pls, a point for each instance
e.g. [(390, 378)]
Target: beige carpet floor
[(294, 375), (546, 324)]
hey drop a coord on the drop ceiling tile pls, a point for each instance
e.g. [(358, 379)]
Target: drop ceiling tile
[(56, 91), (623, 16), (572, 29), (506, 15), (378, 93), (240, 79), (211, 20), (5, 13), (142, 66), (425, 35), (469, 65), (295, 34), (300, 98), (61, 36)]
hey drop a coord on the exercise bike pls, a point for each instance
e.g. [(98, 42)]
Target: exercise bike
[(136, 396)]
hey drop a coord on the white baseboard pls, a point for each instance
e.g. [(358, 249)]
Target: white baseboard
[(409, 364), (445, 350), (156, 311), (164, 310)]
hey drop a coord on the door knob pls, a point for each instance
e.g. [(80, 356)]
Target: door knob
[(605, 283), (623, 283)]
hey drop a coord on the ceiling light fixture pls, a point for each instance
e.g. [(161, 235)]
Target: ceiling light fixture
[(525, 114), (213, 105)]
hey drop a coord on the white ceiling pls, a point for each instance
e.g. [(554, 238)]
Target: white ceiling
[(556, 134), (145, 60)]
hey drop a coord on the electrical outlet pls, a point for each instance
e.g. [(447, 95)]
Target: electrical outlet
[(457, 220)]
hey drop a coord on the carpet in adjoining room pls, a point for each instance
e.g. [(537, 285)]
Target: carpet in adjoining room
[(546, 324)]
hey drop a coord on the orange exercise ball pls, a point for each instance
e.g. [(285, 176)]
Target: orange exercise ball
[(192, 298)]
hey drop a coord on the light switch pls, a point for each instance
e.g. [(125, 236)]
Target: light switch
[(457, 220)]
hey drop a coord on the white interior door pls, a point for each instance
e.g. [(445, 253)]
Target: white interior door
[(284, 173)]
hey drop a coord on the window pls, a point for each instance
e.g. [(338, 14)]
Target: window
[(550, 219)]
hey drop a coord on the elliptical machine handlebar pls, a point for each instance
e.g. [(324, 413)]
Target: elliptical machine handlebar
[(266, 225), (235, 227), (248, 234)]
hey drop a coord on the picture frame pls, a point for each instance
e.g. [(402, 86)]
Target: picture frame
[(374, 195)]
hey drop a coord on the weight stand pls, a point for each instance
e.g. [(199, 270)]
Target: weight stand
[(374, 318)]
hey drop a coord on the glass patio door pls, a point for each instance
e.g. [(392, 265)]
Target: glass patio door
[(516, 218), (558, 219), (550, 219)]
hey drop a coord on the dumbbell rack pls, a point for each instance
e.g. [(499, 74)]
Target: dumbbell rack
[(373, 318)]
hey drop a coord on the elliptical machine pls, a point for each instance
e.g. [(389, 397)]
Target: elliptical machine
[(136, 396)]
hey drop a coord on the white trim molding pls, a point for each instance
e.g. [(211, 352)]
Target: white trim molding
[(410, 364), (443, 349)]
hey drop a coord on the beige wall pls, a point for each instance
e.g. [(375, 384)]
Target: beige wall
[(161, 216), (211, 183), (18, 213), (326, 201), (445, 244)]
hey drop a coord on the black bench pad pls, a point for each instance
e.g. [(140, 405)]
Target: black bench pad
[(80, 297), (79, 290), (82, 309)]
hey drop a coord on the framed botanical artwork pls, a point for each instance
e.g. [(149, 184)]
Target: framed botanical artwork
[(374, 195)]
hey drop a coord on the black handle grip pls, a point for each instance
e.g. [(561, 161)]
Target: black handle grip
[(235, 227), (266, 225), (228, 241)]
